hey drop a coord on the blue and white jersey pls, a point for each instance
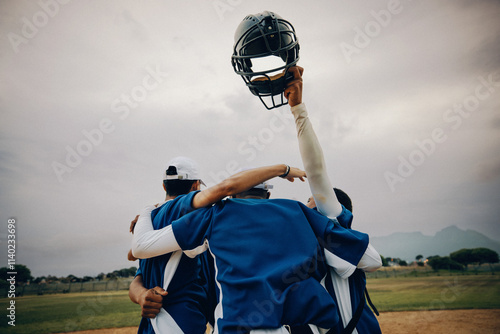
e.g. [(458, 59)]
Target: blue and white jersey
[(367, 323), (270, 259), (186, 297)]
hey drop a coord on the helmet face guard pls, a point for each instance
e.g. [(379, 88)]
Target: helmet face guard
[(263, 35)]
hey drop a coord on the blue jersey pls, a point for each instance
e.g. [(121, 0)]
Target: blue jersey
[(186, 299), (270, 259)]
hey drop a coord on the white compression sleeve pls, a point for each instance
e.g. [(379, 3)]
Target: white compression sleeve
[(327, 204), (148, 242), (319, 183), (371, 260), (314, 164)]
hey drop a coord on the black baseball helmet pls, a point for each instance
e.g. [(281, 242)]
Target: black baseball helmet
[(265, 35)]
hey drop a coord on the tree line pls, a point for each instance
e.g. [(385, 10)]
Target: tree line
[(458, 260), (23, 276), (461, 259)]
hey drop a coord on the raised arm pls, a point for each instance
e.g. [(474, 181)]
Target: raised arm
[(310, 150), (315, 167)]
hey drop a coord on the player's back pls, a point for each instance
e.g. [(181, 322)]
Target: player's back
[(186, 297), (269, 263)]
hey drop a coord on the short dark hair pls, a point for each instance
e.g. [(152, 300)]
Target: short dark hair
[(343, 198), (178, 187)]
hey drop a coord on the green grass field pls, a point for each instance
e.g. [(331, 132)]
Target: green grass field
[(61, 313), (92, 310), (435, 292)]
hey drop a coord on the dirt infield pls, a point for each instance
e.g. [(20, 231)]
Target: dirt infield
[(456, 322), (434, 322)]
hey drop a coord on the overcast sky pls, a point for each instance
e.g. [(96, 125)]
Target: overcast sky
[(97, 96)]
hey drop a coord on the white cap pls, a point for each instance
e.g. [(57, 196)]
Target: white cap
[(184, 169), (264, 185)]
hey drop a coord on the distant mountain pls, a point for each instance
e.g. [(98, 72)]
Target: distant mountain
[(407, 246)]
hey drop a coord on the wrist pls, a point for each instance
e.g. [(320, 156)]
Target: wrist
[(300, 105), (142, 296), (287, 171)]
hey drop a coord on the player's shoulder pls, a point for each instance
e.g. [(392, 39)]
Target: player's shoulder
[(255, 201), (285, 201), (288, 204)]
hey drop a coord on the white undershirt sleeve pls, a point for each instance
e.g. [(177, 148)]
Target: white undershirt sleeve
[(320, 185), (314, 164), (148, 242), (370, 261)]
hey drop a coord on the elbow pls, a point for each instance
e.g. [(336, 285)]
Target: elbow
[(138, 254), (138, 249), (315, 169), (371, 260), (370, 264), (130, 256), (227, 188), (374, 266), (133, 289)]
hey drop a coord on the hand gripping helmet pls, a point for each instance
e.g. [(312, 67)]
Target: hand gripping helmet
[(263, 35)]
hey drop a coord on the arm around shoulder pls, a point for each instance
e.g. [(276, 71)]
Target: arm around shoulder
[(148, 242), (243, 181)]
